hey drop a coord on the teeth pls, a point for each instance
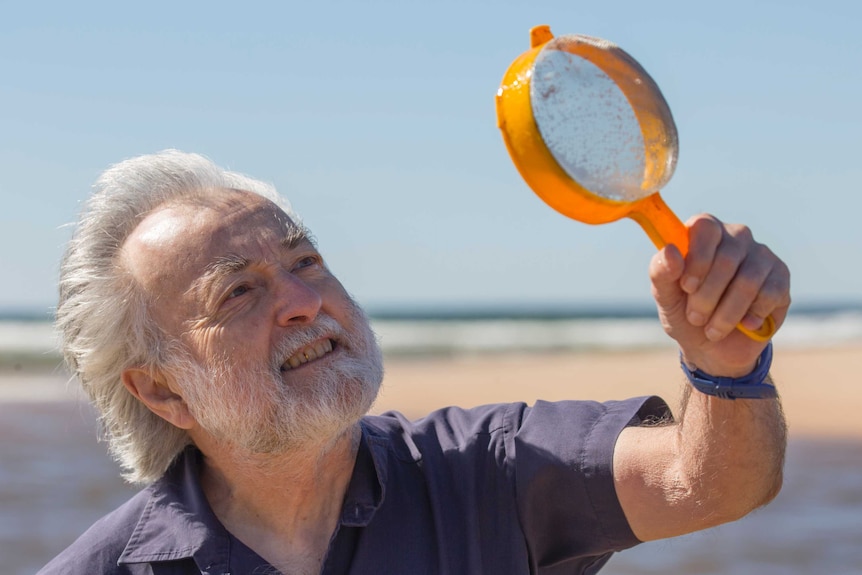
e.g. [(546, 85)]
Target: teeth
[(308, 353)]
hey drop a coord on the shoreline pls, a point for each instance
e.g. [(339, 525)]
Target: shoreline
[(820, 388)]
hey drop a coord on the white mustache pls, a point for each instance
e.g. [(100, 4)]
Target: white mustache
[(324, 326)]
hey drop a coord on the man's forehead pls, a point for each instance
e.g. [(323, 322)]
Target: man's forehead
[(179, 239), (214, 213)]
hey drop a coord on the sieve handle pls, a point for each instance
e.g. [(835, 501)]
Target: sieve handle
[(663, 228), (660, 223)]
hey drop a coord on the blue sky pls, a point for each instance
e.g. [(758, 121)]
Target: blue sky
[(376, 119)]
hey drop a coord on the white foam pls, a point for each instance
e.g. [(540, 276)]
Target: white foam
[(429, 336), (28, 337)]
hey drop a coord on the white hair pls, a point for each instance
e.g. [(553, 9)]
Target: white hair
[(102, 315)]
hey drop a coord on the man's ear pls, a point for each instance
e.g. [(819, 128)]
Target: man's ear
[(158, 397)]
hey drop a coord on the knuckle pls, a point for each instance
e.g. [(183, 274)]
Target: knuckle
[(740, 232), (705, 224), (761, 253)]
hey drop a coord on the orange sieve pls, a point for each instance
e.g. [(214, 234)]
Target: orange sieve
[(590, 132)]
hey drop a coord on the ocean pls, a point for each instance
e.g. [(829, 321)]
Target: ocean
[(29, 337), (56, 479)]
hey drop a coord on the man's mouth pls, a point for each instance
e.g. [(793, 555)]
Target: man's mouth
[(312, 351)]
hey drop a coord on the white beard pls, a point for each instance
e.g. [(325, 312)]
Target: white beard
[(251, 408)]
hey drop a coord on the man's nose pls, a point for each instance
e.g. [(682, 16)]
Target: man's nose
[(298, 302)]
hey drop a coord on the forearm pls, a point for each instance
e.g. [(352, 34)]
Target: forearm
[(731, 453), (718, 460)]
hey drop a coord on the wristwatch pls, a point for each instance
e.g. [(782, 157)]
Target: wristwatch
[(751, 386)]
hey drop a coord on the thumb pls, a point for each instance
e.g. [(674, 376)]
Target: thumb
[(665, 271)]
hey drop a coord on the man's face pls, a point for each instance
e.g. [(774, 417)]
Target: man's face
[(278, 353)]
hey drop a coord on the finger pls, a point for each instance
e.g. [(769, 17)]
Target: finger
[(773, 299), (725, 268), (705, 234), (666, 268), (737, 303)]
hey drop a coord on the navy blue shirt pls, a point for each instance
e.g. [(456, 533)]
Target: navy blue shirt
[(495, 489)]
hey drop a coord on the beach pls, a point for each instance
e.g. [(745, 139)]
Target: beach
[(55, 479), (821, 388)]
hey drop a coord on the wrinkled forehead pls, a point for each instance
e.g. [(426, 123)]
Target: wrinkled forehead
[(207, 218), (172, 246)]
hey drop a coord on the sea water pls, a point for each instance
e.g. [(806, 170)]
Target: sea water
[(25, 338)]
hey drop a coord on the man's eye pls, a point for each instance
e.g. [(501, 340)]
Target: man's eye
[(306, 262), (238, 291)]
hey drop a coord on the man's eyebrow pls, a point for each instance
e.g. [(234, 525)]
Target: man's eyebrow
[(224, 266), (295, 235), (219, 269)]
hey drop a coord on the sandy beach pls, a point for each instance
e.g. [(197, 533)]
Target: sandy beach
[(821, 389)]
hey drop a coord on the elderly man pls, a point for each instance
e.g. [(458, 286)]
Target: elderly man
[(233, 374)]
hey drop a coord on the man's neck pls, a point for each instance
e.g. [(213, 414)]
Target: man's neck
[(284, 507)]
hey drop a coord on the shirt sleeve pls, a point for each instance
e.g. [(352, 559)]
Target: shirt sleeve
[(567, 503)]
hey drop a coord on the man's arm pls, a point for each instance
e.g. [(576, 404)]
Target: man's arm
[(721, 458)]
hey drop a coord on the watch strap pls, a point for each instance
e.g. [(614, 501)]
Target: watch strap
[(751, 386)]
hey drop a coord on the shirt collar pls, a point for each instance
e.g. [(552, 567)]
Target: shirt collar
[(178, 523)]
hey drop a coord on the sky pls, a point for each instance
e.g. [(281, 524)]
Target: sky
[(377, 121)]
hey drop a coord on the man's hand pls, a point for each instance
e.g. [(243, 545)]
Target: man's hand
[(725, 279)]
